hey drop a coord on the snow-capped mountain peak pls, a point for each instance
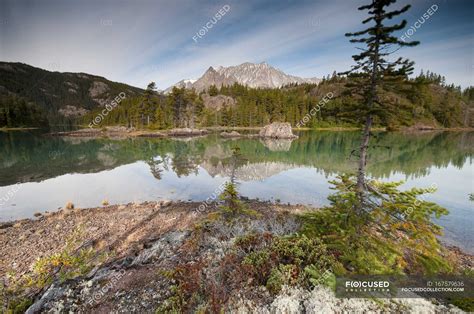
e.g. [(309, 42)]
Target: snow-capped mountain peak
[(256, 75), (186, 83)]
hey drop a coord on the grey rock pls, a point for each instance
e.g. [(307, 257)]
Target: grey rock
[(53, 293), (163, 248), (278, 130)]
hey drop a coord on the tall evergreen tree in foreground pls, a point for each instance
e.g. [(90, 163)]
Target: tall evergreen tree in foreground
[(373, 227), (374, 72)]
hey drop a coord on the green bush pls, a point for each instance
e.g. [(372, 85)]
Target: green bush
[(277, 261), (390, 233), (282, 275)]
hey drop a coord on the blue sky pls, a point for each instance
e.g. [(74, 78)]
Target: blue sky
[(141, 41)]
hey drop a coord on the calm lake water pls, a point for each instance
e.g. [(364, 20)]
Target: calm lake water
[(40, 173)]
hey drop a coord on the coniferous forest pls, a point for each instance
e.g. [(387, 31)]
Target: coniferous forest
[(37, 98), (425, 99), (18, 112)]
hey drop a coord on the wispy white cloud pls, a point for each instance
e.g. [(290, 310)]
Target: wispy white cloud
[(140, 41), (276, 38)]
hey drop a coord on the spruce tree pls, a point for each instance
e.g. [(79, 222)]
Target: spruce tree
[(373, 71), (232, 205), (147, 107), (372, 226)]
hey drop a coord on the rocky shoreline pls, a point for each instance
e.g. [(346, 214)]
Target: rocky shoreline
[(275, 130), (143, 241), (123, 132)]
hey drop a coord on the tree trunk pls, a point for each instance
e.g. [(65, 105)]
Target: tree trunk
[(363, 156), (361, 186)]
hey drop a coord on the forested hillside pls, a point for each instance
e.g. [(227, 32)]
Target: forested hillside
[(18, 112), (425, 101), (62, 97), (31, 96)]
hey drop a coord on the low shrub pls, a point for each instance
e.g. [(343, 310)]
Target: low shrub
[(278, 261), (390, 232), (68, 263)]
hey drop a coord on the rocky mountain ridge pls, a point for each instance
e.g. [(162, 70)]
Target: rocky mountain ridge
[(60, 94), (255, 75)]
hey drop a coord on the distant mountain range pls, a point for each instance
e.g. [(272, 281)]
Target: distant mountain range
[(63, 96), (70, 95), (261, 75), (30, 96)]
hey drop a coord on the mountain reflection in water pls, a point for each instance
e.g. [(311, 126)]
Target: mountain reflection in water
[(49, 171)]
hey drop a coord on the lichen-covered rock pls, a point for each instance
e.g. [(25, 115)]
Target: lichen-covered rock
[(295, 300), (146, 244), (277, 130)]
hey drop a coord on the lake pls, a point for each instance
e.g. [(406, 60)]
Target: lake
[(40, 173)]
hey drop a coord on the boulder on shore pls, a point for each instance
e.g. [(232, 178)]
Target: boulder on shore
[(277, 130)]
